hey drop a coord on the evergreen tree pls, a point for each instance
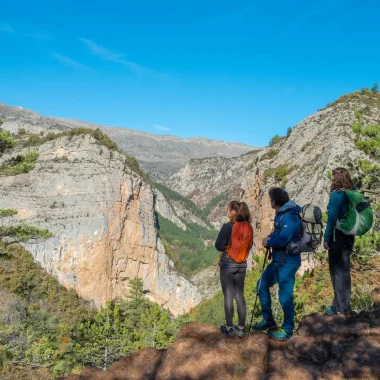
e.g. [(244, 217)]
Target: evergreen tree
[(104, 339), (375, 88)]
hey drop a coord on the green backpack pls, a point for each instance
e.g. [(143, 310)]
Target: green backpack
[(359, 217)]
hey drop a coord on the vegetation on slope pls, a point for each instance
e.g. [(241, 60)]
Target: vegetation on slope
[(187, 248), (47, 330)]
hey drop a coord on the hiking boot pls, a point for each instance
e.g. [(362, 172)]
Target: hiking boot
[(280, 335), (330, 311), (228, 331), (264, 325), (239, 332)]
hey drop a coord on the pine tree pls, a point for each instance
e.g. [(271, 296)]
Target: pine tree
[(104, 339)]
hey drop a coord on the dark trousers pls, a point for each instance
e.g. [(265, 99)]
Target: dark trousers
[(232, 280), (340, 270)]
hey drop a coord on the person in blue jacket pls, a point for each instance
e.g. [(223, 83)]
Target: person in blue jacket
[(338, 244), (282, 270)]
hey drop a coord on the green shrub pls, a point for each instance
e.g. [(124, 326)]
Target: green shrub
[(367, 138), (269, 154), (7, 212), (20, 164), (275, 140), (361, 299), (6, 141)]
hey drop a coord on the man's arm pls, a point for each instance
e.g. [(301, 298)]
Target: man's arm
[(290, 223)]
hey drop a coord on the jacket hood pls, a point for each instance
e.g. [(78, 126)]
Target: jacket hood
[(289, 206)]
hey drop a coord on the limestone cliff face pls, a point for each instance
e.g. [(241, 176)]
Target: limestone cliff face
[(316, 145), (102, 215)]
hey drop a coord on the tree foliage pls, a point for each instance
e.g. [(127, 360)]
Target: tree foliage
[(20, 164), (6, 141), (187, 248)]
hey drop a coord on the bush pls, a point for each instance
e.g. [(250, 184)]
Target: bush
[(367, 138), (275, 140), (6, 141), (280, 173), (20, 164), (269, 154)]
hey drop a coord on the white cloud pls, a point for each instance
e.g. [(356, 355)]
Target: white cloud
[(67, 61), (7, 28), (110, 55), (161, 128)]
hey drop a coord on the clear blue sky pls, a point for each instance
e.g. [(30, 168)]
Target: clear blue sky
[(230, 70)]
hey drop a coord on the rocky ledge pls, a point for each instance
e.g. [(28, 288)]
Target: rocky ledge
[(331, 348)]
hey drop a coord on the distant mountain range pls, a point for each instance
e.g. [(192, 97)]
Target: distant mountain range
[(159, 155)]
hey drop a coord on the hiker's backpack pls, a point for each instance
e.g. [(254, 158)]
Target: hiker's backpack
[(311, 230), (359, 218), (241, 241)]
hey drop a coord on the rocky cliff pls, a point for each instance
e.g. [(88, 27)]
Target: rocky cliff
[(102, 215), (331, 348), (299, 162), (158, 155)]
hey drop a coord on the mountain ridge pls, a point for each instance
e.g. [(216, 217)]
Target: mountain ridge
[(158, 155)]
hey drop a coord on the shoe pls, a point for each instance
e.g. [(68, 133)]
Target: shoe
[(264, 325), (280, 334), (238, 331), (228, 331), (330, 311)]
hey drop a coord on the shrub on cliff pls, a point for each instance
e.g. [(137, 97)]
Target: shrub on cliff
[(20, 164), (6, 141)]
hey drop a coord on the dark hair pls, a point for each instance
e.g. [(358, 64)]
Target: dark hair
[(341, 179), (242, 211), (278, 195)]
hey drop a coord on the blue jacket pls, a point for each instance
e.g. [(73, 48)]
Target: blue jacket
[(287, 229), (336, 209)]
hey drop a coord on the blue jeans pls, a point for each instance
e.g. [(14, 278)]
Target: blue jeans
[(285, 277)]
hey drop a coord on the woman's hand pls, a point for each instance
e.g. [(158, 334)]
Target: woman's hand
[(326, 246)]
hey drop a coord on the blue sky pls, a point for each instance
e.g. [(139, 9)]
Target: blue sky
[(229, 70)]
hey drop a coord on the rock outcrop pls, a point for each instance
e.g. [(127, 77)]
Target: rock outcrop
[(102, 215), (331, 348), (300, 163)]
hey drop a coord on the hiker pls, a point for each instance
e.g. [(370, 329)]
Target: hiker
[(234, 241), (282, 270), (338, 244)]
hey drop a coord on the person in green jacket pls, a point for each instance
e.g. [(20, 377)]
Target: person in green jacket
[(338, 244)]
